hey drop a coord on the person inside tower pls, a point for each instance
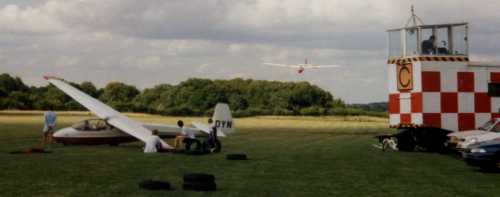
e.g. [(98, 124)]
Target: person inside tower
[(428, 47), (443, 49)]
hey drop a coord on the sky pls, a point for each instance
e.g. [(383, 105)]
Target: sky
[(145, 43)]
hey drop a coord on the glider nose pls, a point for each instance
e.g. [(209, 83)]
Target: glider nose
[(58, 134), (62, 133)]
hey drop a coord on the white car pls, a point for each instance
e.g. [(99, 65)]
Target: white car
[(489, 131)]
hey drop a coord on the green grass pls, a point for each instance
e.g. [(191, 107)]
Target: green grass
[(289, 156)]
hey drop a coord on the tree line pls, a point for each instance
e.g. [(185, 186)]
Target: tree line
[(193, 97)]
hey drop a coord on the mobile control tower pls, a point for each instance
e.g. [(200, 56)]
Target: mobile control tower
[(434, 88)]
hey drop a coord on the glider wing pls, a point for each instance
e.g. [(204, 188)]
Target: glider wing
[(323, 66), (282, 65), (103, 111)]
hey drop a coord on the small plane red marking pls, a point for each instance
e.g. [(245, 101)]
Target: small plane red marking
[(300, 71)]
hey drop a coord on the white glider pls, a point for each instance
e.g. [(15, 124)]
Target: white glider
[(100, 133), (302, 67)]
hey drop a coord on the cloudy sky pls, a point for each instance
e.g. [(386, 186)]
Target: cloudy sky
[(145, 43)]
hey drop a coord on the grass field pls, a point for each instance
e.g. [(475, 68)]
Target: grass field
[(289, 156)]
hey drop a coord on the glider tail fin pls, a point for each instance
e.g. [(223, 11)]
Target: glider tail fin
[(223, 119)]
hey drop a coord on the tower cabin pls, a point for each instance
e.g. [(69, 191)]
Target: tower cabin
[(433, 85)]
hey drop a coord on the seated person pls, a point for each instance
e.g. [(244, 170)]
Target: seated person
[(86, 125), (153, 144), (443, 50), (428, 46), (179, 138), (101, 125)]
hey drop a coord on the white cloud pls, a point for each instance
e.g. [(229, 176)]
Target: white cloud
[(14, 19), (149, 42)]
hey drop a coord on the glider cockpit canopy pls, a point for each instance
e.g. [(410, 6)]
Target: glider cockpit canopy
[(92, 125)]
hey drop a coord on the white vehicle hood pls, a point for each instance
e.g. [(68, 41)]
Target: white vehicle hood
[(475, 139), (486, 137), (466, 134)]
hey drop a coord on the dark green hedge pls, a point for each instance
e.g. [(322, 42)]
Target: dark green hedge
[(193, 97)]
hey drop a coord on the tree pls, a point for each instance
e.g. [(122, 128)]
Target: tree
[(195, 96), (55, 98), (89, 88), (17, 100), (153, 100), (9, 84), (119, 96)]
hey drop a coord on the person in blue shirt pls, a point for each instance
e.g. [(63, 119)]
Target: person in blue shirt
[(49, 127)]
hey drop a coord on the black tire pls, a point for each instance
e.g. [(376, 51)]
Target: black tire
[(155, 185), (489, 167), (236, 156), (199, 178), (492, 166), (189, 142), (194, 186)]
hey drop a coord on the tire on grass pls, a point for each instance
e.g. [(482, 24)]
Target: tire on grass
[(489, 167)]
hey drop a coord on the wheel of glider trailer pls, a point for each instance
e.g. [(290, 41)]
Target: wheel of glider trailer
[(199, 182), (236, 157)]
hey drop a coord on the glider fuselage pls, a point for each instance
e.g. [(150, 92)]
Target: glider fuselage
[(96, 132), (72, 136)]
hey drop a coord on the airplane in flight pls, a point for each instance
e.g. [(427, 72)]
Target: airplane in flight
[(301, 67), (114, 128)]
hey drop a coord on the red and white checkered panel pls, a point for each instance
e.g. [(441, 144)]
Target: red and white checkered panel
[(405, 107), (450, 97)]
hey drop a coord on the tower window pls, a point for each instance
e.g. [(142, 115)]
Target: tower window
[(494, 89)]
